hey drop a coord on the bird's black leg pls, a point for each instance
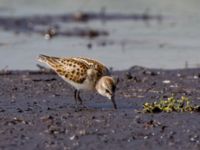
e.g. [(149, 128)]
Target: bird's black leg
[(79, 98), (75, 96)]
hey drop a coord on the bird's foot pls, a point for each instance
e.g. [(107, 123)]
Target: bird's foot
[(80, 107)]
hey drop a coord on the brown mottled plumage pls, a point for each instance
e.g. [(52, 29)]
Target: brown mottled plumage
[(83, 74)]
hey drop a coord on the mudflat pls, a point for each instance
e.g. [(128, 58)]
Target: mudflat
[(37, 111)]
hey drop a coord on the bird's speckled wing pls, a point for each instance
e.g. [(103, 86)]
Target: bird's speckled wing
[(101, 69), (67, 68)]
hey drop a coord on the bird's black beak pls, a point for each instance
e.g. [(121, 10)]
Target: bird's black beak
[(113, 101)]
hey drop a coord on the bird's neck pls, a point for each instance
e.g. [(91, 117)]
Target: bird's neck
[(98, 84)]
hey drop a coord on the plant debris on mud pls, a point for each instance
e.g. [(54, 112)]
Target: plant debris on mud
[(171, 104)]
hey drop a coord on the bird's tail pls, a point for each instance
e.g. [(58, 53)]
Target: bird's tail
[(52, 62), (43, 58)]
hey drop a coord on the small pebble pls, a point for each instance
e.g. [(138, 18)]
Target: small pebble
[(166, 81), (72, 137)]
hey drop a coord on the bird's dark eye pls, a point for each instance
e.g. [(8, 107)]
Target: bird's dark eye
[(107, 91)]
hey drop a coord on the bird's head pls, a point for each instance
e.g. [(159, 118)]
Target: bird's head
[(106, 87)]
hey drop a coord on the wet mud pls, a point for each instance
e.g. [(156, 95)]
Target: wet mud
[(37, 111)]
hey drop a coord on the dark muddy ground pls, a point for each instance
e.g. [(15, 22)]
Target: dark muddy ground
[(37, 112)]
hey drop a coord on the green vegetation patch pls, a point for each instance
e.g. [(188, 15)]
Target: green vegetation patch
[(171, 104)]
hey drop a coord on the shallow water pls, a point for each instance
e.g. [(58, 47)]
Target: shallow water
[(170, 43)]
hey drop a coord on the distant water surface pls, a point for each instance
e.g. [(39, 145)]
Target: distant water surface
[(171, 43)]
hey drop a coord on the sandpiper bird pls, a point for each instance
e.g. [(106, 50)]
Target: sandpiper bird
[(83, 74)]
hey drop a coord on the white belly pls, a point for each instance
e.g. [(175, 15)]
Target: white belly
[(86, 85)]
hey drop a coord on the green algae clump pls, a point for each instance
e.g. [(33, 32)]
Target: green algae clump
[(171, 105)]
